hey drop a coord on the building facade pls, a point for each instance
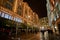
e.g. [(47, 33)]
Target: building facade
[(29, 15), (53, 12), (18, 11)]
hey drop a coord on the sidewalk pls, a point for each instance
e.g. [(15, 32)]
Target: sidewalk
[(24, 36)]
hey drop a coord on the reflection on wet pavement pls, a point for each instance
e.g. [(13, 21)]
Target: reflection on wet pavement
[(33, 36)]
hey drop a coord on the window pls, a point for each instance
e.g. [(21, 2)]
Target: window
[(11, 1), (25, 11), (57, 15), (10, 17), (14, 19), (17, 20), (59, 6), (8, 6), (20, 20), (2, 15), (1, 2), (19, 10), (6, 16)]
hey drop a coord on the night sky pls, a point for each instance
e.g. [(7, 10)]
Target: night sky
[(38, 6)]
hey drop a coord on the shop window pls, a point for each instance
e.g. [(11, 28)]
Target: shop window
[(6, 16), (19, 7), (54, 18), (10, 17), (25, 11), (16, 19), (20, 20)]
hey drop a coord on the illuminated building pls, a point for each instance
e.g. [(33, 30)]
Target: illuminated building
[(18, 11), (9, 7), (53, 12), (29, 15), (44, 22)]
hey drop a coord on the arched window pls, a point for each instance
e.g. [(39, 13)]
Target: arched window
[(14, 19), (20, 20), (8, 6), (19, 9)]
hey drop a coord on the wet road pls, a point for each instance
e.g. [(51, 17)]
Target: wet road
[(33, 36)]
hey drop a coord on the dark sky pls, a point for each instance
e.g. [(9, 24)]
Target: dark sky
[(38, 6)]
